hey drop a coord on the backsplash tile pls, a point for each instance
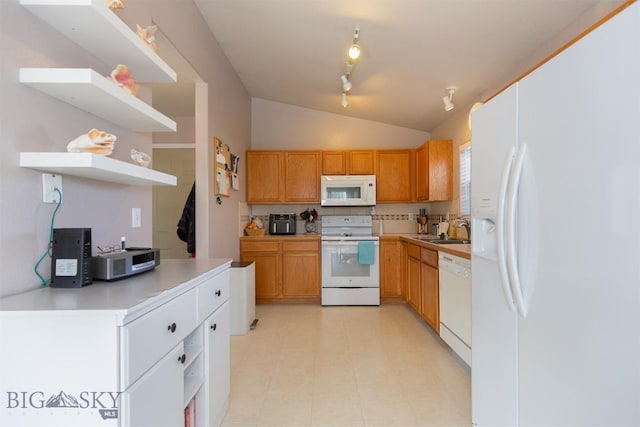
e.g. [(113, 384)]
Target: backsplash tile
[(397, 218)]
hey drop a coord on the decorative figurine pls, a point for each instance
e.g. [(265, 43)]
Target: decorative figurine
[(147, 35), (114, 4), (95, 141), (120, 75), (140, 158)]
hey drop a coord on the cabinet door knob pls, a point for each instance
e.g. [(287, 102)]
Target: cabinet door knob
[(214, 326), (182, 358), (171, 327), (218, 292)]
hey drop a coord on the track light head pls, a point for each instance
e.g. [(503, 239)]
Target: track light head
[(346, 83), (344, 102), (354, 50), (448, 99)]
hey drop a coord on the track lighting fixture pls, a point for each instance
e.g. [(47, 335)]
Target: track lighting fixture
[(448, 100), (344, 102), (345, 79), (354, 50), (346, 84)]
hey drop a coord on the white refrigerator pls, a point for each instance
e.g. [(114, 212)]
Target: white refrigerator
[(556, 239)]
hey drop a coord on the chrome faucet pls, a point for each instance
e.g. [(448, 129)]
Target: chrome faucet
[(464, 222)]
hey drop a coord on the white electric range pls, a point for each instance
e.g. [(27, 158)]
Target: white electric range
[(350, 261)]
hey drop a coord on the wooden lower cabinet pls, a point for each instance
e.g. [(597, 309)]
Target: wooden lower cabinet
[(390, 268), (413, 276), (430, 307), (421, 283), (267, 273), (287, 270), (301, 269)]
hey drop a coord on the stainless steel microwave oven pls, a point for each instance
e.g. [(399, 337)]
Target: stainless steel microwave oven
[(348, 190)]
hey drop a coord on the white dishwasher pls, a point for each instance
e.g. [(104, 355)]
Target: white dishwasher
[(455, 303)]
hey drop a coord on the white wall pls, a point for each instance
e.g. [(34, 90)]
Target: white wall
[(185, 132), (33, 121), (456, 127), (229, 108), (277, 126)]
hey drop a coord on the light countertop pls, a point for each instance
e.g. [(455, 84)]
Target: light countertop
[(462, 250), (126, 297)]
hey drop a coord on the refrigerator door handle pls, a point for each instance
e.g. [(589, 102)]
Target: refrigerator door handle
[(500, 230), (512, 255)]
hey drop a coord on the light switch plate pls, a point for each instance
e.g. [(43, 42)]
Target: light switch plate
[(136, 218)]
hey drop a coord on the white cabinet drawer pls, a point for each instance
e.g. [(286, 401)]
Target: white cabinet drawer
[(211, 294), (147, 339)]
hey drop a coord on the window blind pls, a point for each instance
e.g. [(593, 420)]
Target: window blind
[(465, 179)]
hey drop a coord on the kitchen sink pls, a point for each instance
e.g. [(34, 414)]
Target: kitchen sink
[(444, 242)]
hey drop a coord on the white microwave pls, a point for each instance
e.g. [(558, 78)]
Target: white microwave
[(348, 190)]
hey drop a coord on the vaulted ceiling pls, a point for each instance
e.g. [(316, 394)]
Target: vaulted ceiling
[(294, 51)]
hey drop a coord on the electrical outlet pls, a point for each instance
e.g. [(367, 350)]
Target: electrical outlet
[(136, 218), (49, 183)]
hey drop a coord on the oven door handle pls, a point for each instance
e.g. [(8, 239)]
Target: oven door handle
[(349, 243)]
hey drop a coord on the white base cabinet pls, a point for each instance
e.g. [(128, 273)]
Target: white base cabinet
[(134, 352), (217, 360), (147, 403)]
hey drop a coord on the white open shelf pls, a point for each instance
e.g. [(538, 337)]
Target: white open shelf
[(86, 89), (93, 166), (92, 25), (191, 386)]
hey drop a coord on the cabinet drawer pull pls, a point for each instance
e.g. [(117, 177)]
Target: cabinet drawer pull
[(214, 326), (218, 292), (182, 358), (171, 327)]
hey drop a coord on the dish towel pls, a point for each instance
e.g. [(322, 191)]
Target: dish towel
[(365, 253)]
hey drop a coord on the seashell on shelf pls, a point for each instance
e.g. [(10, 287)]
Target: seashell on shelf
[(121, 76), (147, 34), (114, 4), (140, 158), (95, 141)]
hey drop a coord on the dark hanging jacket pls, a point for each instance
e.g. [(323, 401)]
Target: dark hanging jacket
[(187, 224)]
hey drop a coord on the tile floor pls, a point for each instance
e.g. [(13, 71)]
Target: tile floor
[(307, 365)]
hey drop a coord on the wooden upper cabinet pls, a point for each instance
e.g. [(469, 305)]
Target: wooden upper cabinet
[(354, 162), (265, 177), (302, 176), (334, 163), (394, 175), (434, 171), (422, 173), (361, 162)]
